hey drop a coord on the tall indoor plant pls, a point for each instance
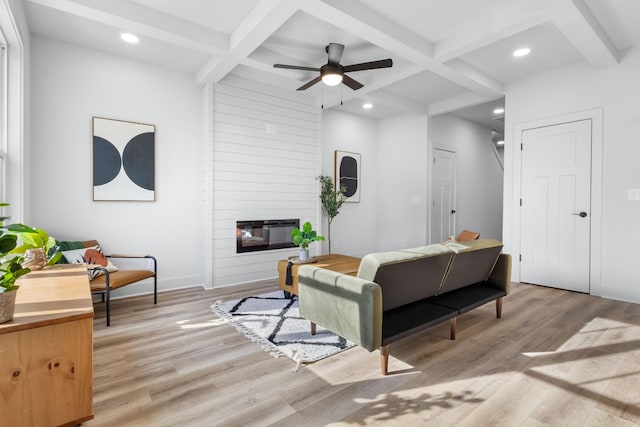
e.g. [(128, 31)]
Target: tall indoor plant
[(331, 201)]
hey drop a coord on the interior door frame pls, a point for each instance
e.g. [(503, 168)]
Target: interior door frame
[(596, 117), (436, 145)]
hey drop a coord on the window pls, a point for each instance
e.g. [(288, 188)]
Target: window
[(3, 114)]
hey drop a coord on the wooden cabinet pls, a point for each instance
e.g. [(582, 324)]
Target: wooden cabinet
[(46, 351)]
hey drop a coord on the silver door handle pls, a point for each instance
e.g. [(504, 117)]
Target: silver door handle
[(580, 214)]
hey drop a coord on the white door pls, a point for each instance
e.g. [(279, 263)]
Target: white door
[(556, 200), (443, 191)]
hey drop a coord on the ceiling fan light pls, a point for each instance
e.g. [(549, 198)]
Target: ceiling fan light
[(332, 79)]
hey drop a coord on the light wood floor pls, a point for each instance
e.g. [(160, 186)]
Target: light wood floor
[(555, 358)]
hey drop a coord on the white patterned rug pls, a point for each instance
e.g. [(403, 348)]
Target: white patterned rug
[(275, 322)]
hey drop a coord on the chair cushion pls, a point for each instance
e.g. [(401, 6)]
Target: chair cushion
[(90, 255), (69, 245), (119, 279), (466, 235)]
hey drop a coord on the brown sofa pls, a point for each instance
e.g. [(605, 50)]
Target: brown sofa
[(399, 293)]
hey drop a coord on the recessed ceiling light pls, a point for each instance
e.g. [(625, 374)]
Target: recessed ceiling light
[(129, 38), (367, 105), (498, 111), (521, 52), (501, 142)]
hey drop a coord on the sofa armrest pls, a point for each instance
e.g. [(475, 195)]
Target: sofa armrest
[(346, 305), (500, 277)]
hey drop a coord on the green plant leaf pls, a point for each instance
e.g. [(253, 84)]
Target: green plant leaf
[(55, 258), (20, 228), (7, 243)]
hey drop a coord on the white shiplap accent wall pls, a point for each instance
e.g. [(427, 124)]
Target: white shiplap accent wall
[(265, 163)]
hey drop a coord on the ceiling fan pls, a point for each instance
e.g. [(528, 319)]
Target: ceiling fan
[(332, 73)]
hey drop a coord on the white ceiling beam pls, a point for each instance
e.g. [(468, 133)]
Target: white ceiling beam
[(396, 102), (357, 19), (483, 80), (575, 20), (215, 69), (377, 84), (144, 21), (457, 103), (260, 23), (503, 24), (263, 20)]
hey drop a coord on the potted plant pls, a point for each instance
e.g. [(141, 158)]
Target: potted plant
[(38, 248), (331, 201), (10, 269), (303, 237)]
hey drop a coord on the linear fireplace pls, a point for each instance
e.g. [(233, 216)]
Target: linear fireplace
[(263, 235)]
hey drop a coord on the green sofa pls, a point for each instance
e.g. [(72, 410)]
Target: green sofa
[(399, 293)]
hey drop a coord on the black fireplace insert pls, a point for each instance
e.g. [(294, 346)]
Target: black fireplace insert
[(263, 235)]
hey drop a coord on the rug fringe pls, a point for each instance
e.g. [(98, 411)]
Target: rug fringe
[(267, 345)]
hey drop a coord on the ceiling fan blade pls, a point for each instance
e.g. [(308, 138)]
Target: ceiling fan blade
[(355, 85), (295, 67), (335, 53), (310, 83), (383, 63)]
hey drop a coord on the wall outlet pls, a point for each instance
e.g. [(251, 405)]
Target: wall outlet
[(334, 243), (634, 194), (416, 199)]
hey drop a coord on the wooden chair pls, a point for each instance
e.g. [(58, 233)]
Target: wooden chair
[(109, 280)]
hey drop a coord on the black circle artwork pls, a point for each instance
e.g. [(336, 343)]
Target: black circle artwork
[(137, 160), (106, 161), (349, 175)]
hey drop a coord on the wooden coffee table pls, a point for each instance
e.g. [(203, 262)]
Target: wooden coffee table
[(335, 262)]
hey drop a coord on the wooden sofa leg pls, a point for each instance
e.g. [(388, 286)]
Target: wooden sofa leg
[(499, 308), (453, 328), (313, 328), (384, 359)]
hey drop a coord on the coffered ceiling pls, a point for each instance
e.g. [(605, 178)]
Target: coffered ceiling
[(449, 56)]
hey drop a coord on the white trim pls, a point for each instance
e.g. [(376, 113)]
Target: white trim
[(15, 124), (437, 145), (596, 116), (207, 101)]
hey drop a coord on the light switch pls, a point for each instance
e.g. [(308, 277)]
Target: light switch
[(634, 194), (271, 128)]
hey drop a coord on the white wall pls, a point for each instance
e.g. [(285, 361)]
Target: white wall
[(578, 88), (392, 209), (265, 163), (70, 85), (354, 229), (479, 176), (402, 182)]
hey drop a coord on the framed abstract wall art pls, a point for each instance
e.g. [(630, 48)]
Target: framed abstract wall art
[(123, 160), (347, 171)]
